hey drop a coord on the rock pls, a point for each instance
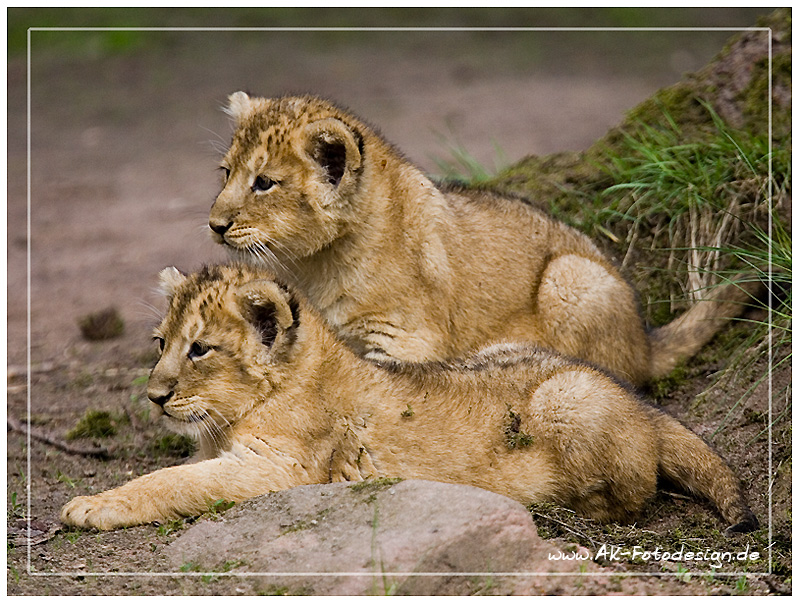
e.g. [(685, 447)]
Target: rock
[(379, 537)]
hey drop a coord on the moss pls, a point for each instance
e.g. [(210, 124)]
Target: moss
[(373, 487), (83, 380), (178, 445), (780, 21), (754, 97), (558, 183), (660, 388), (306, 523), (97, 424), (681, 101), (378, 484)]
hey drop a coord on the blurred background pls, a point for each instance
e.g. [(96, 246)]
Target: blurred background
[(126, 130)]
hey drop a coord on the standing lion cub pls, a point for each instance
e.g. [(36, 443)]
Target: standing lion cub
[(407, 270), (277, 401)]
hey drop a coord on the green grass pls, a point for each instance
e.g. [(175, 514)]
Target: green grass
[(459, 165), (692, 196), (771, 262), (16, 509), (701, 208)]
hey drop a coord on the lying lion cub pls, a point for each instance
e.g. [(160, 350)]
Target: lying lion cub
[(278, 401), (404, 269)]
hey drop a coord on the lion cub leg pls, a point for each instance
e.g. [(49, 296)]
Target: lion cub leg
[(587, 312), (186, 490), (600, 442)]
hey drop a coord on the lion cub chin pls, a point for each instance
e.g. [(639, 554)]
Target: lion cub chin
[(277, 400), (407, 270)]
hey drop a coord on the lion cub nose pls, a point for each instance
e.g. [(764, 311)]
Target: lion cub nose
[(220, 228), (160, 399)]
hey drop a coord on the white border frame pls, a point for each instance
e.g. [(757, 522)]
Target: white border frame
[(388, 29)]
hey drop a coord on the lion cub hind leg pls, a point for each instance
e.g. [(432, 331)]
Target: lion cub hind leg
[(183, 491), (603, 447), (587, 312)]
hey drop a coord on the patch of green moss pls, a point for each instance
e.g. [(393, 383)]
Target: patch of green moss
[(306, 523), (780, 21), (755, 96), (662, 387), (373, 487), (680, 101), (83, 380), (97, 424), (178, 445), (558, 183), (378, 484)]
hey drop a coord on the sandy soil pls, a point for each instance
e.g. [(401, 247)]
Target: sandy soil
[(123, 152)]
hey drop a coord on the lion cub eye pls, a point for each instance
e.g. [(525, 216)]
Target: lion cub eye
[(198, 349), (160, 341), (226, 171), (262, 183)]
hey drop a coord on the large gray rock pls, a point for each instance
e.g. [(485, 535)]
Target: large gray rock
[(411, 537)]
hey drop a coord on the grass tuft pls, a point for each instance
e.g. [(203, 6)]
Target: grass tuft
[(97, 424)]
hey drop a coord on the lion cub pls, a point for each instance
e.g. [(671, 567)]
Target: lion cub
[(277, 401), (407, 270)]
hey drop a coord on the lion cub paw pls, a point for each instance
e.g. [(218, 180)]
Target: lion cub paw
[(104, 511)]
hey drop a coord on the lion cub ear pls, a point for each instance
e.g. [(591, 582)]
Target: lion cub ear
[(336, 148), (239, 105), (270, 309), (169, 280)]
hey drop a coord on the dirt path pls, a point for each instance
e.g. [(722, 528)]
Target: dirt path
[(123, 156)]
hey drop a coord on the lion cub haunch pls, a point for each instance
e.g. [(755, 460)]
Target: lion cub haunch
[(408, 270), (277, 400)]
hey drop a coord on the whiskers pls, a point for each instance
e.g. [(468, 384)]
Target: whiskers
[(261, 252), (208, 426), (213, 428), (149, 311), (218, 144)]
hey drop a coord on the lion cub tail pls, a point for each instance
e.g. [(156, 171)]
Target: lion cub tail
[(683, 337), (687, 461)]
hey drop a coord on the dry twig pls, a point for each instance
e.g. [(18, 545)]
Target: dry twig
[(17, 426)]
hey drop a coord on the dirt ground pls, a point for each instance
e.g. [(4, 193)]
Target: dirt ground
[(123, 155)]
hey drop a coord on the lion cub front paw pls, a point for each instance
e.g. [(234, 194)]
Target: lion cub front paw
[(104, 511)]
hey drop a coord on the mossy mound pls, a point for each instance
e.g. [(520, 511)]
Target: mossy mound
[(701, 149)]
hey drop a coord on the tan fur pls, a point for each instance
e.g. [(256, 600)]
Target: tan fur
[(277, 400), (406, 270)]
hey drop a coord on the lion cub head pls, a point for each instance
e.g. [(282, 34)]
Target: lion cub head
[(292, 166), (223, 343)]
